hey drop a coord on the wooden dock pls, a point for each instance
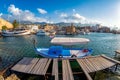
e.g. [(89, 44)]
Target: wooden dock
[(117, 52), (39, 66)]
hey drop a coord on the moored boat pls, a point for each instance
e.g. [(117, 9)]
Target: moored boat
[(59, 51), (42, 33), (20, 32)]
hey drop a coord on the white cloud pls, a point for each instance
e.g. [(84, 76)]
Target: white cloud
[(24, 15), (41, 11), (63, 15), (72, 18), (77, 18), (27, 15), (15, 11)]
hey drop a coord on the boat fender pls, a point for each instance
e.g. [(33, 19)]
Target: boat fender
[(73, 56)]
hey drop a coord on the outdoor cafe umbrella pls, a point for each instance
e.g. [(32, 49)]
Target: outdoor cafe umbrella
[(69, 41)]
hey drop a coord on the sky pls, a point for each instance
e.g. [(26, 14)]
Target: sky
[(105, 12)]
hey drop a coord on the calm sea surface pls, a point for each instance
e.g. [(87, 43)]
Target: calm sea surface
[(14, 48)]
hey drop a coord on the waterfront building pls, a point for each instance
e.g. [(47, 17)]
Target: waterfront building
[(104, 29), (70, 29), (96, 27), (48, 28)]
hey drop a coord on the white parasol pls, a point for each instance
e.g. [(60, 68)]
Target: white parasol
[(69, 41)]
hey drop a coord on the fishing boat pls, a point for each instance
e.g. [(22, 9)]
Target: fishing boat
[(41, 32), (59, 51), (19, 32)]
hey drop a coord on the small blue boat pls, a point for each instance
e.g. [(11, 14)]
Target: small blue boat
[(60, 52)]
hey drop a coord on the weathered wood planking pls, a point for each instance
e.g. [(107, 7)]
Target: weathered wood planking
[(32, 65), (110, 59), (46, 67), (117, 51), (41, 67), (84, 70), (69, 70), (93, 64), (22, 65), (37, 67), (66, 69), (55, 69)]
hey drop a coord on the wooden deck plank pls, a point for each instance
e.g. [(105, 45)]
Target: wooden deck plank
[(40, 71), (81, 64), (41, 65), (117, 51), (55, 69), (90, 65), (103, 62), (64, 72), (84, 70), (22, 65), (97, 63), (31, 65), (25, 64), (100, 63), (85, 65), (94, 64), (109, 63), (110, 59), (69, 70), (46, 66), (37, 67), (16, 67)]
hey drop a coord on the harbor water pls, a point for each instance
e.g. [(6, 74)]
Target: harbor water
[(14, 48)]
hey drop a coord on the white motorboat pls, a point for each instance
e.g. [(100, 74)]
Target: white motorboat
[(41, 32), (20, 32)]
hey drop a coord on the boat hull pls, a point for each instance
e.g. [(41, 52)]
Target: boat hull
[(44, 52), (42, 34), (10, 34)]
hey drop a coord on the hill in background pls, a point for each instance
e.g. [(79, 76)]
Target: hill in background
[(5, 23)]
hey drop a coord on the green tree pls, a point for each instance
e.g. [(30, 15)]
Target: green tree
[(4, 27), (15, 24)]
